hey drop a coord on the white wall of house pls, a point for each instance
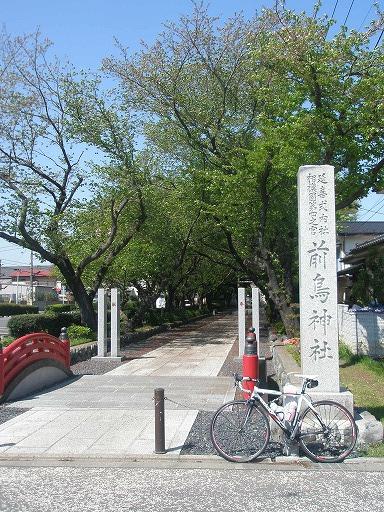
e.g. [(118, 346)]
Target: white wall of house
[(361, 331), (346, 243)]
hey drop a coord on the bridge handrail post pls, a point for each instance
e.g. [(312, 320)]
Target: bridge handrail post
[(1, 369)]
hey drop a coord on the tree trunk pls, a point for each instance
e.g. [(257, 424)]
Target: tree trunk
[(170, 299), (83, 300), (85, 303), (281, 298)]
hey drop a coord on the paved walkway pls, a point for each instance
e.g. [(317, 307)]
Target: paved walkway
[(112, 415)]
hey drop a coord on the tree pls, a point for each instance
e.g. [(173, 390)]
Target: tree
[(170, 254), (251, 101), (48, 118)]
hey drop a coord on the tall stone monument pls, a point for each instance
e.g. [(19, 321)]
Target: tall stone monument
[(241, 319), (102, 325), (256, 313), (115, 324), (318, 280)]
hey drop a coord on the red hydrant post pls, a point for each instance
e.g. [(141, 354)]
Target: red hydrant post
[(250, 360)]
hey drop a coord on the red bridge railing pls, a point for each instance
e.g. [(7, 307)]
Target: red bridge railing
[(29, 349)]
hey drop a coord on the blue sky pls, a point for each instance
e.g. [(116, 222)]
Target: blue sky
[(83, 32)]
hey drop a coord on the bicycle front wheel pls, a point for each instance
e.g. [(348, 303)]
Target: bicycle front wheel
[(327, 434), (240, 431)]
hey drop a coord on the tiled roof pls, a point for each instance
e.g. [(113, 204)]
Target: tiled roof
[(361, 228), (369, 243), (362, 250), (25, 271)]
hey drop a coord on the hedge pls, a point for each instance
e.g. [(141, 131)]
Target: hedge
[(17, 309), (161, 316), (61, 308), (46, 322)]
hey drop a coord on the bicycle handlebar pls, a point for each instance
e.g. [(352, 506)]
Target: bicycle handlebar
[(310, 381)]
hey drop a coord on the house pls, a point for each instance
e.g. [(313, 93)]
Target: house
[(15, 284), (355, 241)]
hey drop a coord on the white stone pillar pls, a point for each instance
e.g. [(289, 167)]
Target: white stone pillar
[(241, 319), (318, 280), (256, 314), (102, 300), (115, 323)]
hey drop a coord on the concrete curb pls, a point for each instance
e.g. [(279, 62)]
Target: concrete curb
[(183, 461)]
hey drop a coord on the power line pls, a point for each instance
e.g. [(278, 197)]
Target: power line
[(349, 11), (365, 17), (11, 249), (334, 9), (371, 210), (378, 212), (15, 262), (378, 41), (374, 205)]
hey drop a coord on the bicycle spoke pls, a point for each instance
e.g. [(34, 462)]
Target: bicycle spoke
[(327, 434), (239, 431)]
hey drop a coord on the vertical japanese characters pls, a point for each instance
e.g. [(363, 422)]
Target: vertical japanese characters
[(318, 288), (318, 254)]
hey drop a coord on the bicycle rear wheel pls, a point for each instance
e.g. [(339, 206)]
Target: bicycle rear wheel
[(240, 431), (330, 439)]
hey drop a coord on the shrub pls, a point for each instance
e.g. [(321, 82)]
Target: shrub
[(17, 309), (6, 340), (20, 325), (79, 332), (131, 308), (161, 316), (46, 322), (69, 317), (61, 308)]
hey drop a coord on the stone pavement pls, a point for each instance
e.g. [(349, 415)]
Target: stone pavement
[(112, 415)]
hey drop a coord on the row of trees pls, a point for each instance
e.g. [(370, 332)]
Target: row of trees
[(227, 112)]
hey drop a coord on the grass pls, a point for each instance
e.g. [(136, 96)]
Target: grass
[(294, 352), (80, 341), (364, 377), (7, 340)]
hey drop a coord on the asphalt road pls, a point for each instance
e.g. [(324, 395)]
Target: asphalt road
[(188, 487)]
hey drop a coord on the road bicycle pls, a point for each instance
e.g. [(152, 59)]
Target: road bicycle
[(325, 430)]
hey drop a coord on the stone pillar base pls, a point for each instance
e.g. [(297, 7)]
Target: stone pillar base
[(343, 397), (108, 358)]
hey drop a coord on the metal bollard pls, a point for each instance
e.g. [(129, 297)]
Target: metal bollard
[(159, 421)]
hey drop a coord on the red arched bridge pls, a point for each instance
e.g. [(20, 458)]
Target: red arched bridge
[(33, 362)]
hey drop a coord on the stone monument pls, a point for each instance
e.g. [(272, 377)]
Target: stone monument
[(102, 324), (256, 313), (318, 281), (241, 318)]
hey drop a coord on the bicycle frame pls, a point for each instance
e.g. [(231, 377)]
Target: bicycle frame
[(291, 428)]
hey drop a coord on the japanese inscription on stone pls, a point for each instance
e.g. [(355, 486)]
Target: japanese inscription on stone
[(318, 285)]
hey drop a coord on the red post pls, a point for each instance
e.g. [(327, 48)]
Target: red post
[(250, 361), (1, 369)]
